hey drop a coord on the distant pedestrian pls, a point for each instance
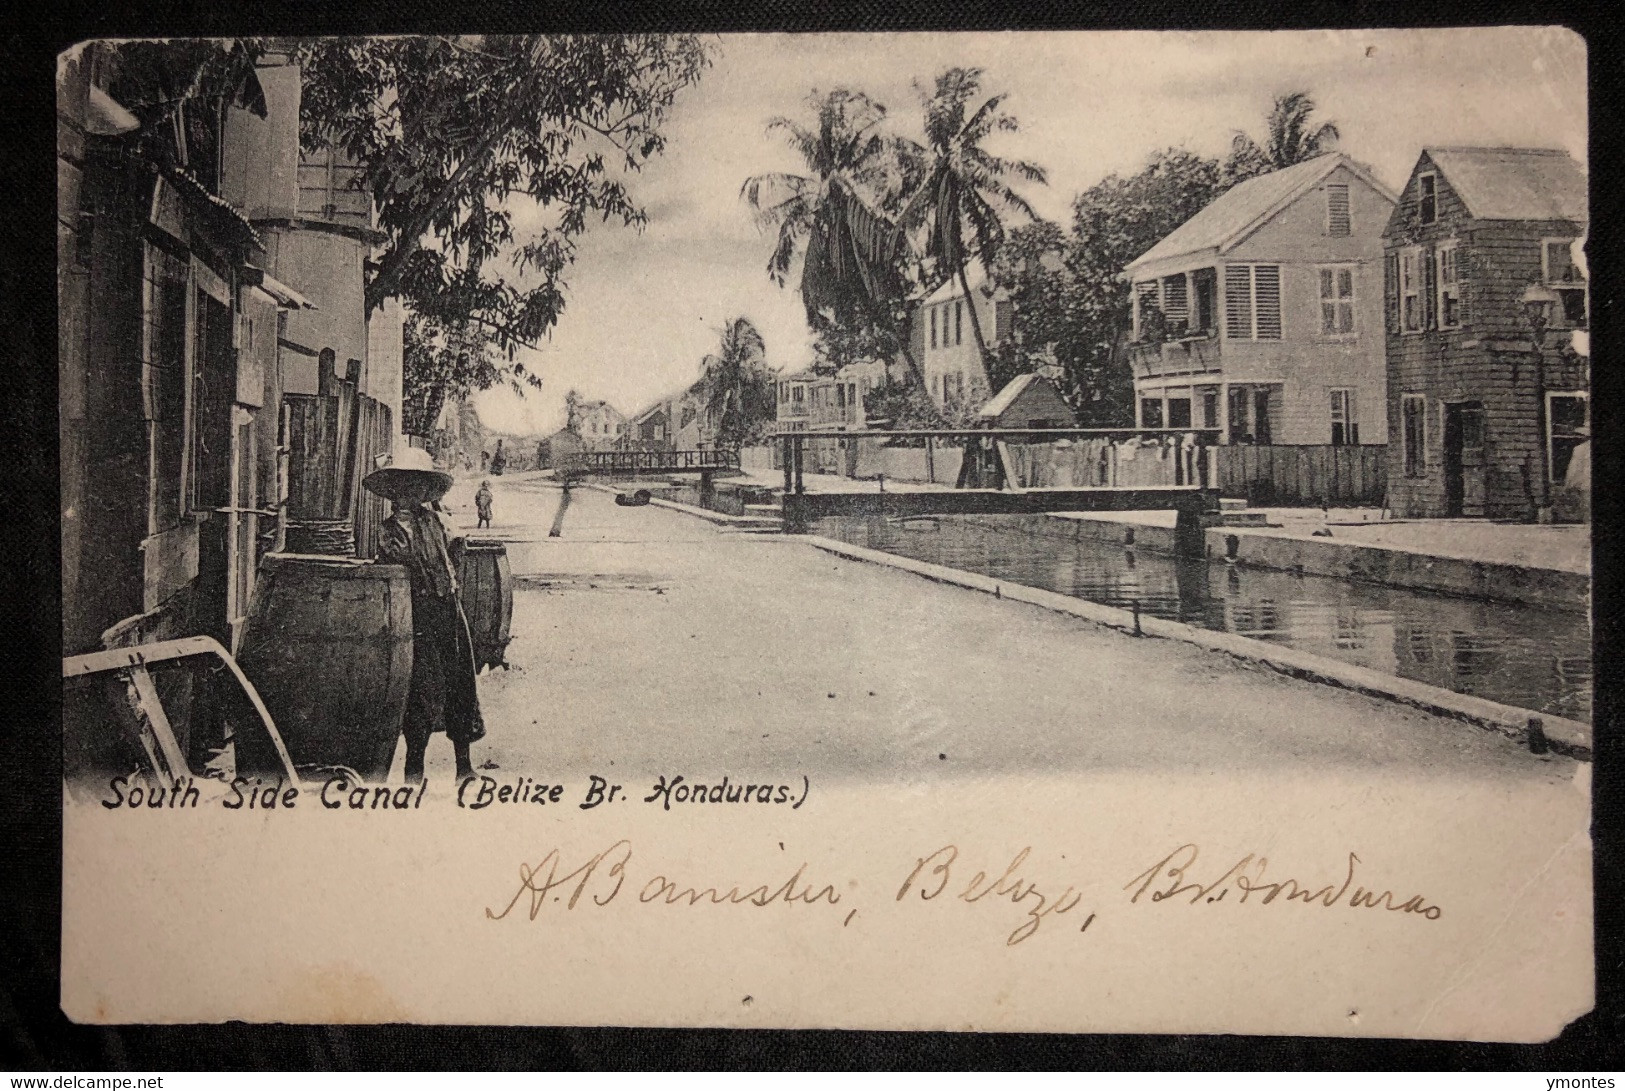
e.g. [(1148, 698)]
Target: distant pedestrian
[(498, 460), (441, 695), (482, 503)]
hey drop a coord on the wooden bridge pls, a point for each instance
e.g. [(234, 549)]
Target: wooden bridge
[(654, 463), (1193, 494)]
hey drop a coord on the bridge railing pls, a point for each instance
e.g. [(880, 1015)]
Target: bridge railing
[(1025, 457), (656, 462)]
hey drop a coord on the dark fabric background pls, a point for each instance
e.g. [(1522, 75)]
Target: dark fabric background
[(33, 1033)]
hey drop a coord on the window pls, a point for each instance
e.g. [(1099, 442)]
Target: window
[(933, 327), (1175, 301), (1146, 304), (330, 188), (1337, 300), (1238, 415), (959, 322), (1428, 205), (1345, 428), (1557, 262), (1179, 412), (1210, 409), (1449, 287), (1573, 308), (1252, 297), (1568, 417), (1150, 412), (1338, 224), (1204, 281), (840, 395), (1410, 290), (1413, 414), (1559, 270)]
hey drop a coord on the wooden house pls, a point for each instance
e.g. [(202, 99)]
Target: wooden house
[(600, 425), (650, 430), (1027, 401), (171, 386), (1261, 316), (944, 343), (1484, 407)]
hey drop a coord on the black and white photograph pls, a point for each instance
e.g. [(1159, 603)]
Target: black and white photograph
[(1023, 531)]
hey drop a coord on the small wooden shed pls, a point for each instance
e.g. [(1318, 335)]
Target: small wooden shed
[(1027, 401)]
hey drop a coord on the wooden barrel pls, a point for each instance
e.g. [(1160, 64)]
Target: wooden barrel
[(487, 592), (328, 645)]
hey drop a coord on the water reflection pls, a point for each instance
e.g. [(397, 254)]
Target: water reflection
[(1531, 657)]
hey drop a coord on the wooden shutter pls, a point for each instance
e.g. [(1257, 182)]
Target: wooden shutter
[(1464, 265), (1267, 301), (1390, 293), (1430, 288), (1337, 211), (1238, 301), (1175, 305)]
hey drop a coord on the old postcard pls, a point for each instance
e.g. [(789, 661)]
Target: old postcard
[(1041, 531)]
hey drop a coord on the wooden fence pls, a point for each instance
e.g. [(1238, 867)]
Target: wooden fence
[(375, 431), (334, 440), (1307, 475)]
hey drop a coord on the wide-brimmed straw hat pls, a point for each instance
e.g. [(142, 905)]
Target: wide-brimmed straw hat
[(410, 466)]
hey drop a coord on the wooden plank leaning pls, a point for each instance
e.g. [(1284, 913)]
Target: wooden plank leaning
[(155, 734)]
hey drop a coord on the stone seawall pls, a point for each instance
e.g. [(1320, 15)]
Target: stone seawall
[(1329, 557)]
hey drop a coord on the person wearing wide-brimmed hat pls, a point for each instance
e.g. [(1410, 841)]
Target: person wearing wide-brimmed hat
[(442, 694)]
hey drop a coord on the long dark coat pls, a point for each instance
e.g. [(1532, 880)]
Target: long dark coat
[(442, 695)]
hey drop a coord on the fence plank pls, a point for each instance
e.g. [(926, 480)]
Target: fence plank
[(1286, 475)]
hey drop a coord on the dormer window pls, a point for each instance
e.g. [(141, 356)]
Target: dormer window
[(1428, 204)]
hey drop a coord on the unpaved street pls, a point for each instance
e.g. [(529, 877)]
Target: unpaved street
[(646, 639)]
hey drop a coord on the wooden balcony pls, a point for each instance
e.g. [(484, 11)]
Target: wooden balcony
[(1194, 354)]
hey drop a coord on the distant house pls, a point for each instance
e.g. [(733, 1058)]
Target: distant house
[(650, 430), (692, 429), (1483, 416), (944, 342), (600, 425), (1027, 401), (1261, 315), (793, 407), (560, 450)]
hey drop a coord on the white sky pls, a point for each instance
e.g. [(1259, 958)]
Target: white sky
[(645, 307)]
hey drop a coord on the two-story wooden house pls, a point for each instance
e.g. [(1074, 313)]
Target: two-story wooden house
[(600, 425), (944, 343), (1261, 316), (1484, 406)]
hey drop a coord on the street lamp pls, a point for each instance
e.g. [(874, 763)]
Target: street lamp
[(1538, 304)]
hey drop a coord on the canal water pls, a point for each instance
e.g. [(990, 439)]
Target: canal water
[(1532, 657)]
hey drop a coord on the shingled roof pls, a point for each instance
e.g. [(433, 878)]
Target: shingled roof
[(1242, 208), (1515, 183)]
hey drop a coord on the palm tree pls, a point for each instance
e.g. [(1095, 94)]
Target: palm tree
[(965, 183), (1292, 139), (736, 384), (835, 215)]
